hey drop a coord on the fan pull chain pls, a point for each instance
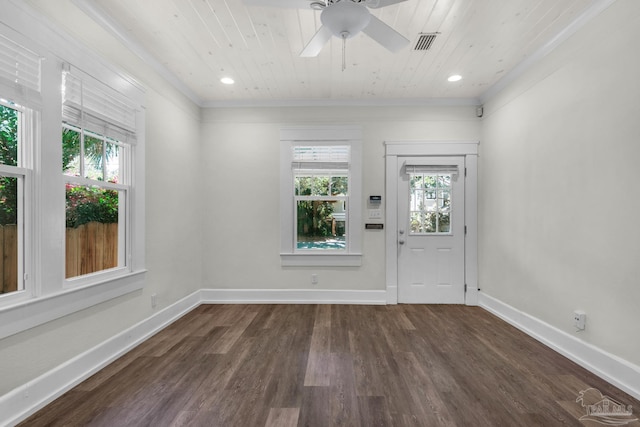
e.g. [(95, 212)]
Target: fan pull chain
[(344, 51)]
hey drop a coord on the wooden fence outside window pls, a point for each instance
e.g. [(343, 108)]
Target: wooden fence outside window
[(90, 248)]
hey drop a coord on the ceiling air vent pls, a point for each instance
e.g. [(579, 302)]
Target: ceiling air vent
[(425, 41)]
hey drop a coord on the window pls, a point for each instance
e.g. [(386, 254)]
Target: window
[(97, 133), (20, 78), (320, 196), (13, 181)]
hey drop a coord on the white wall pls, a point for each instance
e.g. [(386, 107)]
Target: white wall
[(172, 223), (241, 157), (559, 193)]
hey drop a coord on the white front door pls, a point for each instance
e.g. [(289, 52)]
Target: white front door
[(431, 230)]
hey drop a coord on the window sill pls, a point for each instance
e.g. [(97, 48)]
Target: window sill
[(321, 260), (37, 311)]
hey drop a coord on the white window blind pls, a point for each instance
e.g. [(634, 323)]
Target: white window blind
[(439, 169), (92, 105), (321, 157), (19, 71)]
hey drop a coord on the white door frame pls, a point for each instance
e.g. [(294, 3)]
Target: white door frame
[(468, 149)]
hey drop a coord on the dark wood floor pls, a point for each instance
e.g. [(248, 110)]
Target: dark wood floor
[(334, 365)]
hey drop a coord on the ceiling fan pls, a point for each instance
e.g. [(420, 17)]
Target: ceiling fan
[(344, 19)]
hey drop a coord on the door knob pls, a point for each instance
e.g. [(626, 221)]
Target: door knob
[(401, 242), (401, 231)]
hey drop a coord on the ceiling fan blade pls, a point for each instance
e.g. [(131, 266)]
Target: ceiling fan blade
[(385, 35), (377, 4), (316, 43), (295, 4)]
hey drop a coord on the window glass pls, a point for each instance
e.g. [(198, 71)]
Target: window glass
[(321, 224), (113, 161), (321, 210), (92, 229), (11, 203), (94, 210), (71, 151), (8, 136), (430, 203), (93, 156)]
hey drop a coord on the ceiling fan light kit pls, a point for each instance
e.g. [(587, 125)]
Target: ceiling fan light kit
[(345, 19)]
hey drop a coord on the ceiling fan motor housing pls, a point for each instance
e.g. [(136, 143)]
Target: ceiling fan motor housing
[(345, 19)]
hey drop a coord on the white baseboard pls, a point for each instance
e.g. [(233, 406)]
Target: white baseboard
[(292, 296), (25, 400), (619, 372)]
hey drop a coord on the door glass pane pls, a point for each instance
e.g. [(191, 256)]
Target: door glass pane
[(430, 203)]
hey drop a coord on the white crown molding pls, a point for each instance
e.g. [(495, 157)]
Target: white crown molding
[(382, 102), (105, 21), (619, 372), (591, 12)]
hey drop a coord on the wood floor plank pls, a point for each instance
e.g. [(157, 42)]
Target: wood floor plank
[(315, 410), (317, 373), (327, 365), (374, 412), (232, 335), (283, 417), (343, 403)]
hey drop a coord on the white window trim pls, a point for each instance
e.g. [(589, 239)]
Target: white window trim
[(338, 135), (45, 297)]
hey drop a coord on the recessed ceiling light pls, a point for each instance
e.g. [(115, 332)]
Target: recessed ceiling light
[(227, 80), (455, 78)]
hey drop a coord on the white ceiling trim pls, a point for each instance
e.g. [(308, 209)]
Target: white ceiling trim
[(403, 102), (105, 21), (594, 10)]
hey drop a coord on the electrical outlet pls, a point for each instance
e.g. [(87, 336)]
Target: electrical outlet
[(579, 320), (154, 300), (314, 279)]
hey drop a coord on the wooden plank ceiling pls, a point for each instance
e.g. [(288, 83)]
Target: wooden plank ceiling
[(200, 41)]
